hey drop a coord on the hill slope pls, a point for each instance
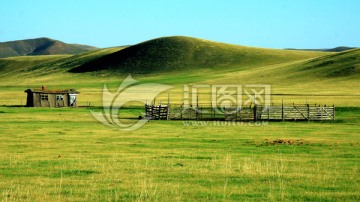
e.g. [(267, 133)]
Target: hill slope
[(290, 73), (184, 53), (342, 64), (40, 46), (49, 63), (337, 49), (17, 66)]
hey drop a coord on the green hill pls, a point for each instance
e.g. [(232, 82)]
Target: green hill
[(185, 53), (335, 73), (342, 64), (19, 64), (40, 46), (183, 60), (336, 49), (49, 63)]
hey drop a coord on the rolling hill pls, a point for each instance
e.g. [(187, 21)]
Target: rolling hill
[(186, 54), (336, 49), (183, 60), (40, 46), (329, 72), (48, 64), (180, 53), (342, 64)]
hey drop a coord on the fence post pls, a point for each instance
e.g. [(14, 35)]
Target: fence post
[(255, 108), (182, 111), (168, 109), (236, 113), (197, 108), (282, 110), (239, 115), (255, 114), (159, 111), (146, 113), (308, 111)]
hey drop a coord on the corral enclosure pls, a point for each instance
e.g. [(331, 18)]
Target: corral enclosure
[(293, 112)]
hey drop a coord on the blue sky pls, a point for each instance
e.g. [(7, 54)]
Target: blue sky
[(260, 23)]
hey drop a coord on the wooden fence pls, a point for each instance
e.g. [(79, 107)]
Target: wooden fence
[(254, 113), (299, 112), (157, 112)]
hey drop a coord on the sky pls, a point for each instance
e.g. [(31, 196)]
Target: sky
[(258, 23)]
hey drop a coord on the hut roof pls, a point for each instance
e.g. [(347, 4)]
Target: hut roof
[(39, 90)]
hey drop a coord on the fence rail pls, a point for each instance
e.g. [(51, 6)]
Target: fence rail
[(253, 113)]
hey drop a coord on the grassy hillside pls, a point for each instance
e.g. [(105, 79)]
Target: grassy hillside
[(336, 49), (295, 76), (339, 65), (17, 66), (50, 64), (184, 53), (40, 46), (70, 62)]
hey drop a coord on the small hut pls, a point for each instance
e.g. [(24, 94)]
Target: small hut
[(51, 98)]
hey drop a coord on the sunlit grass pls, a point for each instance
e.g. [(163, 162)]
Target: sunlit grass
[(65, 154), (55, 154)]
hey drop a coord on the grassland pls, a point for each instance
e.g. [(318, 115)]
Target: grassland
[(64, 154)]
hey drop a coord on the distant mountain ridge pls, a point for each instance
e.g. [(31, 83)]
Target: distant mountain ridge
[(337, 49), (40, 46)]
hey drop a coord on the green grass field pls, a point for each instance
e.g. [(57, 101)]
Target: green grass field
[(65, 154)]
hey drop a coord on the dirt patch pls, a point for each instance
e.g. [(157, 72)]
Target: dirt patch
[(298, 142)]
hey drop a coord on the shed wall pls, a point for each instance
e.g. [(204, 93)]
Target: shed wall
[(51, 101)]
